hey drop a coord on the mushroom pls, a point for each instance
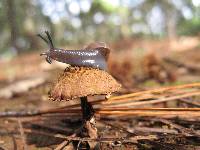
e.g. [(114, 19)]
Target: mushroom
[(82, 80), (78, 82)]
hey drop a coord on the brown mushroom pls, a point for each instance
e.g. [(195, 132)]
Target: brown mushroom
[(80, 82), (77, 82)]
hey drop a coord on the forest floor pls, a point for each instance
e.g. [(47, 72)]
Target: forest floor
[(157, 108)]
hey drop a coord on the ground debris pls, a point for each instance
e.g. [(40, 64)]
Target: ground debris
[(20, 87), (127, 133), (143, 117)]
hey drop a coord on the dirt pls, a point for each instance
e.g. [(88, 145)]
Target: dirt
[(48, 131)]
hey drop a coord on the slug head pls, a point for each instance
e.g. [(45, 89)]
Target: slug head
[(49, 42)]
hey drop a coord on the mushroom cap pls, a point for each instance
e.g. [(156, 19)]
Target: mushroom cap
[(78, 82)]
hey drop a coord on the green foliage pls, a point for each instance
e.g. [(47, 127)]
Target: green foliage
[(103, 6), (189, 27)]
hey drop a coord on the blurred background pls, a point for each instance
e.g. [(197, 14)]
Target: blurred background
[(153, 43), (77, 22), (149, 39)]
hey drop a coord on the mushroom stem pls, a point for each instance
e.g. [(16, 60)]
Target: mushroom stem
[(87, 109), (89, 123)]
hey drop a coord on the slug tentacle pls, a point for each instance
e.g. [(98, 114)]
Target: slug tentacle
[(50, 43), (43, 38), (50, 40)]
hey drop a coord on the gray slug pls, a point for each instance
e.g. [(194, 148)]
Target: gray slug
[(95, 55)]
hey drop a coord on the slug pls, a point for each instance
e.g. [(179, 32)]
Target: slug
[(95, 55)]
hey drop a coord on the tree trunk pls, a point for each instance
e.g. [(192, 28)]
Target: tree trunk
[(171, 24), (11, 14)]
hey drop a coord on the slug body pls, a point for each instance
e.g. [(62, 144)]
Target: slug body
[(95, 58), (92, 56)]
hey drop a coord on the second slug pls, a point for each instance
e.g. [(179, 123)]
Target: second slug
[(94, 56)]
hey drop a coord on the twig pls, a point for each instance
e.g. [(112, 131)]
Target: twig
[(35, 112), (122, 110), (146, 97), (159, 90), (149, 109), (135, 99), (165, 99), (22, 135), (152, 113)]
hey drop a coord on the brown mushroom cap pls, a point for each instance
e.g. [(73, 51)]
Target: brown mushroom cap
[(78, 82)]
